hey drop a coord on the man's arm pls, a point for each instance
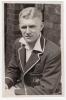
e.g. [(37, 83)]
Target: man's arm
[(13, 71)]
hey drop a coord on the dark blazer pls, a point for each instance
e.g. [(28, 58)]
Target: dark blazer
[(41, 75)]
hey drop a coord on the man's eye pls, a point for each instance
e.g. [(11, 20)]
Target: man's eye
[(23, 27), (32, 26)]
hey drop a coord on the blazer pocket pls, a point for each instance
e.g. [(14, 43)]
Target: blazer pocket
[(35, 79)]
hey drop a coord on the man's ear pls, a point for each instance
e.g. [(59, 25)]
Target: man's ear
[(42, 26)]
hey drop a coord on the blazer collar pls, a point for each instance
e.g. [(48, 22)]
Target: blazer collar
[(34, 58)]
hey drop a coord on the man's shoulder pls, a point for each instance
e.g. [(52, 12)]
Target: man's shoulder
[(17, 43), (51, 44), (51, 48)]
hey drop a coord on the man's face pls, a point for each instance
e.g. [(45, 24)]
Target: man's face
[(31, 29)]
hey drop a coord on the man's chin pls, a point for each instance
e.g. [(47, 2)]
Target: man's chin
[(30, 41)]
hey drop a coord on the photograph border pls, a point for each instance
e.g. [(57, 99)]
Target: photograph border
[(62, 42)]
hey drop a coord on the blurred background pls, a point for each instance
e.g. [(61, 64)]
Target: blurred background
[(52, 24)]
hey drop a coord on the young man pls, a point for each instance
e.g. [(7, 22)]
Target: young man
[(34, 68)]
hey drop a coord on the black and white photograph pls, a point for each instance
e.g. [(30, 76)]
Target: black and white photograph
[(32, 49)]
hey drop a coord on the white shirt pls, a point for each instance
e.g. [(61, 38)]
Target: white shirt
[(37, 47)]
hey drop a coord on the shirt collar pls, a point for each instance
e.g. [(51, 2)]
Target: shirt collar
[(22, 40), (37, 46)]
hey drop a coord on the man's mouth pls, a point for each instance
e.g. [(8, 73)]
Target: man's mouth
[(28, 36)]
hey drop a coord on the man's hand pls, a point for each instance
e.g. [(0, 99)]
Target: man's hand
[(9, 91)]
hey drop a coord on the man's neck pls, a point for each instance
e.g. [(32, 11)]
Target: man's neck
[(31, 45)]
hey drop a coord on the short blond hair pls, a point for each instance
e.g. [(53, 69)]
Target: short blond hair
[(30, 12)]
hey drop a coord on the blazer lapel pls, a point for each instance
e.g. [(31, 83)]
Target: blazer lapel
[(34, 58), (22, 56)]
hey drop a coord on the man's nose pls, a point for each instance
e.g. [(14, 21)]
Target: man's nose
[(28, 30)]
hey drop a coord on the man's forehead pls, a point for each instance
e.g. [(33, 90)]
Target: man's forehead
[(30, 12)]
